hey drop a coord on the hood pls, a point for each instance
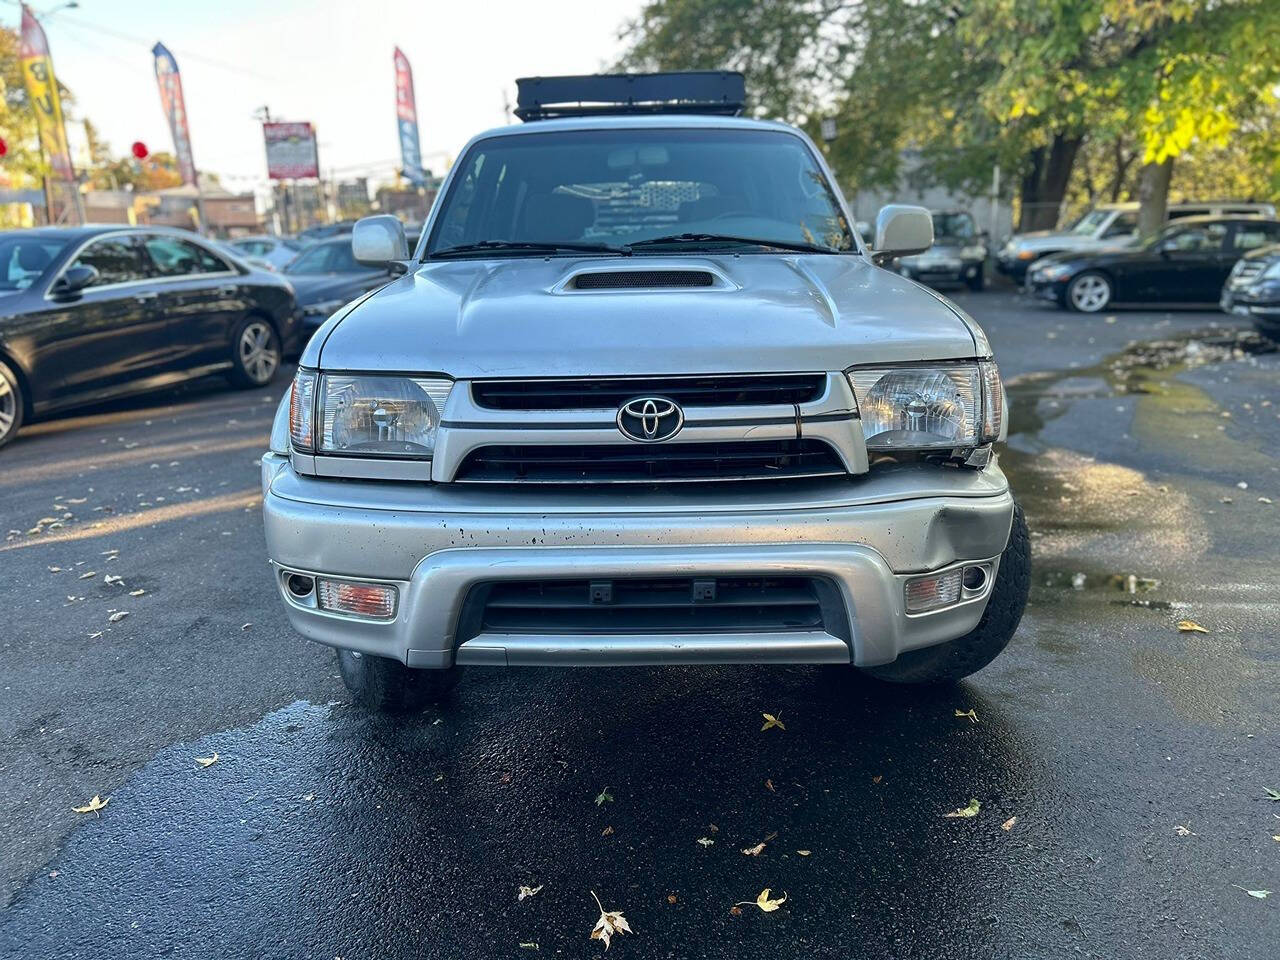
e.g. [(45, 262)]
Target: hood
[(316, 287), (1045, 240), (523, 317)]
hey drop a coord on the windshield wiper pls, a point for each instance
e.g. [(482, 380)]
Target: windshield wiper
[(725, 238), (481, 246)]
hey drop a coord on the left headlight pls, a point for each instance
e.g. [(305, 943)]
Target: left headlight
[(322, 309), (935, 407), (375, 416), (1271, 273), (974, 252)]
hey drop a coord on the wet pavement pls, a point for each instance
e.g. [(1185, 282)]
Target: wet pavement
[(1132, 759)]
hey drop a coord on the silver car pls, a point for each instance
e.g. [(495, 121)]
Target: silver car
[(643, 397)]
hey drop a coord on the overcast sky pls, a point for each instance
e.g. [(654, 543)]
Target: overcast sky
[(325, 61)]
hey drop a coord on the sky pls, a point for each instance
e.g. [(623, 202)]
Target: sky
[(323, 61)]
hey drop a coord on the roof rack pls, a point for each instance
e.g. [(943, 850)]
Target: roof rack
[(720, 92)]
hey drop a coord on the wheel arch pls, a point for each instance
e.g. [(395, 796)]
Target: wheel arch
[(24, 383)]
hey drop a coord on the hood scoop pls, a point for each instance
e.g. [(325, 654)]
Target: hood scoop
[(643, 280)]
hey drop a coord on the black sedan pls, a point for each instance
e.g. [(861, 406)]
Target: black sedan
[(1253, 290), (326, 275), (93, 313), (1185, 264)]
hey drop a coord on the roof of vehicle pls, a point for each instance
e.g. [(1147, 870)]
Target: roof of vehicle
[(1220, 218), (647, 121), (94, 229)]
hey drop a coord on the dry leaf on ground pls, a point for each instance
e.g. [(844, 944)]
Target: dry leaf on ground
[(525, 892), (607, 831), (1256, 894), (1190, 626), (603, 797), (611, 922), (768, 785), (771, 721), (970, 811), (1008, 824), (208, 761), (804, 853), (706, 841), (970, 713), (764, 902), (754, 851), (93, 806), (118, 616)]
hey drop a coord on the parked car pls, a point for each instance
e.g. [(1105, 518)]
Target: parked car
[(1107, 225), (958, 254), (326, 231), (276, 251), (326, 275), (644, 398), (1253, 289), (1186, 263), (92, 313)]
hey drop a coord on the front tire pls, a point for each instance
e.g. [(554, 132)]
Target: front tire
[(1089, 292), (976, 282), (388, 686), (951, 661), (255, 353), (12, 404)]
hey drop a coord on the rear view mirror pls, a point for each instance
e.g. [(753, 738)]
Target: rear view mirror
[(377, 241), (74, 280), (901, 230)]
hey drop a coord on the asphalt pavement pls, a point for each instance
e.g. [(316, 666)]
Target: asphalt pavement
[(1121, 766)]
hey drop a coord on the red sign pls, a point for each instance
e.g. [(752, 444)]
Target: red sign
[(291, 151)]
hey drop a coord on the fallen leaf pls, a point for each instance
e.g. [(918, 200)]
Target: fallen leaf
[(706, 841), (526, 892), (136, 593), (877, 778), (607, 832), (1008, 824), (1190, 626), (970, 811), (111, 578), (118, 616), (604, 797), (1276, 837), (1256, 894), (764, 902), (610, 922), (804, 853), (970, 713), (1264, 499), (713, 828), (95, 636), (671, 898), (93, 806), (206, 762), (88, 576), (1272, 794), (735, 911), (754, 851), (55, 569), (768, 785), (246, 626), (771, 721), (528, 946), (1184, 831)]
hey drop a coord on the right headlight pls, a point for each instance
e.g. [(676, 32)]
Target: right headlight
[(1272, 272), (361, 415), (951, 406)]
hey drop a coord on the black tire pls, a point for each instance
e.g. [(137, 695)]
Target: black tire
[(977, 281), (12, 404), (388, 686), (951, 661), (1089, 292), (255, 353)]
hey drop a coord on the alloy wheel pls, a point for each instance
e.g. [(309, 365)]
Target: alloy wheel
[(8, 407), (258, 357), (1090, 293)]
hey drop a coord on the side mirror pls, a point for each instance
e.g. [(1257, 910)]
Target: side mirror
[(377, 241), (73, 281), (901, 230)]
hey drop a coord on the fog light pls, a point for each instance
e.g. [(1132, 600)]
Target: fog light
[(299, 585), (930, 593), (975, 578), (370, 600)]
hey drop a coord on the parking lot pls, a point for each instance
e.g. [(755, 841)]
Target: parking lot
[(1121, 765)]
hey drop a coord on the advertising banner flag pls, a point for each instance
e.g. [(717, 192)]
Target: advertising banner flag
[(291, 151), (407, 119), (170, 83), (42, 89)]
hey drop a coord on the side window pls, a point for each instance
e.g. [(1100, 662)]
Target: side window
[(343, 260), (1122, 225), (315, 260), (175, 258), (252, 248), (117, 260), (1250, 235), (1197, 239)]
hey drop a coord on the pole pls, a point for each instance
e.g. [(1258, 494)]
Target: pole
[(995, 200)]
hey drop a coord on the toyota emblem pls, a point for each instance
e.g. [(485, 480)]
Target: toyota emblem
[(650, 419)]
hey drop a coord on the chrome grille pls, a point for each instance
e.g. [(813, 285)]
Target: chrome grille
[(600, 393)]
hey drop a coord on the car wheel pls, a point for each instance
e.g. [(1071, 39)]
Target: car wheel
[(12, 405), (949, 662), (255, 353), (1089, 292), (976, 282), (388, 686)]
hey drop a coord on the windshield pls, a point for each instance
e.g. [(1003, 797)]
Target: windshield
[(24, 259), (615, 187), (955, 226), (1088, 225), (326, 258)]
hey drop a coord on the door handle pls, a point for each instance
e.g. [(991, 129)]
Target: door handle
[(228, 290)]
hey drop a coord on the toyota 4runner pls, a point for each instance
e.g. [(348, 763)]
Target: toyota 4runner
[(641, 396)]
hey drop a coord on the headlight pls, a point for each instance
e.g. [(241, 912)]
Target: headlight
[(1053, 271), (1272, 272), (380, 416), (973, 253), (322, 309), (942, 407)]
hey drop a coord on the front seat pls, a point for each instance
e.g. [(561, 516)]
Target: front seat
[(552, 217)]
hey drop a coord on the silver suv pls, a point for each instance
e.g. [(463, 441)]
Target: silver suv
[(643, 397)]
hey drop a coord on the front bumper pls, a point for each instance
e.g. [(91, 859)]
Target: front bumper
[(1054, 291), (1013, 267), (1262, 305), (941, 271), (434, 542)]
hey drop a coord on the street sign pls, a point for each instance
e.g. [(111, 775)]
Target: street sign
[(291, 151), (828, 129)]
